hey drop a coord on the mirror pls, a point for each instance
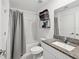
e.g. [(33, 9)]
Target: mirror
[(66, 21)]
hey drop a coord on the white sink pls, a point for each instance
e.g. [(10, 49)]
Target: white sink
[(64, 45)]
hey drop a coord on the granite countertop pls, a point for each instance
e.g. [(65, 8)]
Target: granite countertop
[(74, 53)]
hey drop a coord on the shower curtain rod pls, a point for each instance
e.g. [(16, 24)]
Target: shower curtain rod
[(24, 11), (17, 9)]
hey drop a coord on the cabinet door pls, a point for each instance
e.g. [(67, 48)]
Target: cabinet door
[(47, 55), (46, 52), (60, 55), (66, 23), (77, 24)]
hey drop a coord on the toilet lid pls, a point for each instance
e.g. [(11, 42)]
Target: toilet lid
[(36, 49)]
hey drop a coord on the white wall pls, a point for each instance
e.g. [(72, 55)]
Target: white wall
[(0, 24), (30, 27), (5, 27), (54, 4)]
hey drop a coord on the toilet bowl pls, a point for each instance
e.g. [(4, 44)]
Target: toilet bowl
[(31, 45), (36, 50)]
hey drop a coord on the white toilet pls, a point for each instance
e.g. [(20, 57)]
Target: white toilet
[(36, 51)]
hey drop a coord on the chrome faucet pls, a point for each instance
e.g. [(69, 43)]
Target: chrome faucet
[(65, 40)]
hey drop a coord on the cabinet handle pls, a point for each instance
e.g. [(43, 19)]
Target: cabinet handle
[(72, 33), (77, 34)]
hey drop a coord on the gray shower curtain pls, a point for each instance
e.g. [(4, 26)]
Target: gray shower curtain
[(18, 47)]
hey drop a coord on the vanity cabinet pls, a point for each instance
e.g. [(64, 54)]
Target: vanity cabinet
[(51, 53), (47, 55), (68, 22)]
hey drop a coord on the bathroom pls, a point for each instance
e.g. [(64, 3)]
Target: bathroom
[(33, 30)]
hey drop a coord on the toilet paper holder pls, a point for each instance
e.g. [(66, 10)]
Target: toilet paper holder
[(2, 52)]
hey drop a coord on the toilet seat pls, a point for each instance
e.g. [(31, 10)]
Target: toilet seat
[(36, 50)]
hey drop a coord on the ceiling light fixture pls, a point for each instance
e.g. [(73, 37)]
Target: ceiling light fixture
[(41, 1)]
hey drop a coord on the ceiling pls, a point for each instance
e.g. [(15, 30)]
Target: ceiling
[(31, 5)]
